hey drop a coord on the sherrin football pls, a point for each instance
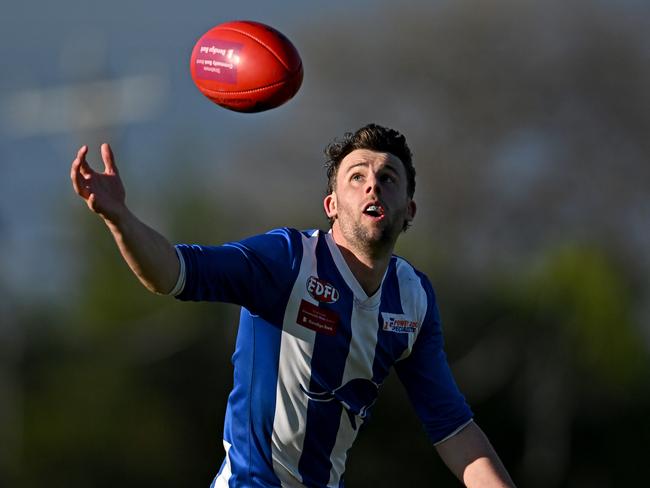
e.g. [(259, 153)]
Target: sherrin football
[(246, 66)]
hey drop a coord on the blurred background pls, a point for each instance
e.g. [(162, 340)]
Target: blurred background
[(529, 122)]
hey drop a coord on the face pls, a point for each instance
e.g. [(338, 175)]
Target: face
[(370, 202)]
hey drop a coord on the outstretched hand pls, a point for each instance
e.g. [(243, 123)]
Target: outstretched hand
[(103, 192), (149, 255)]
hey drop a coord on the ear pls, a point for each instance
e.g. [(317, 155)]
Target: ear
[(329, 204), (410, 211)]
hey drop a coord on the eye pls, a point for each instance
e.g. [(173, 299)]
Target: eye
[(357, 177), (387, 178)]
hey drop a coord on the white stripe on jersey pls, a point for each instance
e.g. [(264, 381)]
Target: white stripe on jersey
[(180, 282), (294, 369), (222, 479), (361, 356), (413, 298)]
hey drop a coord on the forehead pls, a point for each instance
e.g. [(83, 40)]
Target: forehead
[(374, 159)]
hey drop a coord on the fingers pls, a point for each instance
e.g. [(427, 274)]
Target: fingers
[(83, 176), (109, 160), (79, 172), (84, 167), (91, 202), (81, 153)]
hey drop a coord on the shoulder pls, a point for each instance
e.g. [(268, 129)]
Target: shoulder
[(413, 290), (409, 276), (290, 234), (282, 243), (279, 239)]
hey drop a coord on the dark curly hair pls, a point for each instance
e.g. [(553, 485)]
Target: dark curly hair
[(375, 138)]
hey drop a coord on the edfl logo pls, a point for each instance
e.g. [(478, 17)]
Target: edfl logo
[(321, 290)]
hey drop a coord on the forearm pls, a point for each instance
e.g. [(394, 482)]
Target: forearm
[(471, 457), (149, 255), (487, 471)]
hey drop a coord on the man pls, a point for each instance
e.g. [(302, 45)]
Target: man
[(324, 317)]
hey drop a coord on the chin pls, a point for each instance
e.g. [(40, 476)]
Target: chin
[(379, 237)]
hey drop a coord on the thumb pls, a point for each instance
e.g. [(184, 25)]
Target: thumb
[(109, 160)]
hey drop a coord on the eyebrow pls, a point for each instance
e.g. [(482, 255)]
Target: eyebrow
[(387, 166)]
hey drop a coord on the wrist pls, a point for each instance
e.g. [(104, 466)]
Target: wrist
[(118, 218)]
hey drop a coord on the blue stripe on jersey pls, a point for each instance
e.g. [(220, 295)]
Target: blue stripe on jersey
[(251, 404), (390, 346), (328, 364)]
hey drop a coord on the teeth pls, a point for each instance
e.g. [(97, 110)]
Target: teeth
[(374, 210)]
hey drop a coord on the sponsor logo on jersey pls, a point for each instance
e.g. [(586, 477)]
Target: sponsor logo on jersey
[(399, 323), (321, 290), (317, 319), (357, 397)]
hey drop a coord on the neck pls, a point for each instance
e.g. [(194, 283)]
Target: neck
[(367, 265)]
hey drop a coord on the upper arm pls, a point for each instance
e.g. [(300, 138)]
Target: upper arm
[(256, 273), (429, 382)]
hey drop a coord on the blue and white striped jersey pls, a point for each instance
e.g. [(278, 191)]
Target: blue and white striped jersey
[(312, 352)]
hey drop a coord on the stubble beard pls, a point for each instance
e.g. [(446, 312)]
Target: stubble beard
[(369, 241)]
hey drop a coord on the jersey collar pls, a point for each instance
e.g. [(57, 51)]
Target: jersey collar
[(360, 296)]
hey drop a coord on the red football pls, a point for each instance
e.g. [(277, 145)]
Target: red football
[(246, 66)]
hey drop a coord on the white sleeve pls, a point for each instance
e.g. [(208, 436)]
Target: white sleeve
[(180, 282), (457, 431)]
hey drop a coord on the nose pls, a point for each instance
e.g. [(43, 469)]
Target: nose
[(372, 183)]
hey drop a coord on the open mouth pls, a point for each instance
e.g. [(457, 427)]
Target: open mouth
[(374, 210)]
